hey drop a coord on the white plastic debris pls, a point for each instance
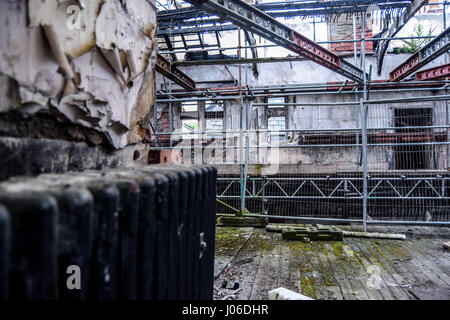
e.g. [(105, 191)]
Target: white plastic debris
[(286, 294), (446, 245)]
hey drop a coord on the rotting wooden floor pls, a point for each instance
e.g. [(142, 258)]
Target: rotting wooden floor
[(417, 268)]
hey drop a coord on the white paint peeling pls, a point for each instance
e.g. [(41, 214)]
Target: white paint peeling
[(91, 60)]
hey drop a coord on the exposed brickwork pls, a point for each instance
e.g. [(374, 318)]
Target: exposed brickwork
[(343, 30), (432, 8), (164, 125)]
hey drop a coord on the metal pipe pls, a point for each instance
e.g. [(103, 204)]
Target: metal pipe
[(338, 198), (241, 133), (315, 146), (376, 101), (373, 222), (405, 178), (216, 48), (302, 130), (290, 94), (364, 161), (286, 88)]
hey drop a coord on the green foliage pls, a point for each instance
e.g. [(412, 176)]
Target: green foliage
[(414, 45)]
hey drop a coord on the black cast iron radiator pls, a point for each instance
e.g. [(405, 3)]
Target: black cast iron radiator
[(141, 233)]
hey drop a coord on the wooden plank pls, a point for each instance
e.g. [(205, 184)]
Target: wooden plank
[(340, 275), (283, 273), (367, 260), (397, 290), (267, 275), (309, 266), (320, 274), (364, 262), (353, 269), (402, 261), (229, 241), (245, 273), (422, 262), (332, 290)]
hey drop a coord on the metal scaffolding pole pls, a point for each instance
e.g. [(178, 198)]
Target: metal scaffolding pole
[(363, 112), (355, 48), (361, 104), (447, 116), (364, 160)]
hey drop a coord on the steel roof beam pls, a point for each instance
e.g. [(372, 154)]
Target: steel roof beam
[(435, 48), (256, 21), (436, 73), (164, 67), (195, 30), (320, 7)]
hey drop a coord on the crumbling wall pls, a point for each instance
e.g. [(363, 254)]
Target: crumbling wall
[(342, 29), (84, 63)]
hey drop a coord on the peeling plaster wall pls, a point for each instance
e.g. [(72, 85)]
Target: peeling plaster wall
[(88, 62)]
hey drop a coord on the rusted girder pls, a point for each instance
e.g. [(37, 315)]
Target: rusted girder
[(435, 73), (164, 67), (253, 20), (435, 48)]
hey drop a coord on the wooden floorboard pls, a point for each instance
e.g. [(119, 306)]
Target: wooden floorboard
[(371, 269), (261, 261)]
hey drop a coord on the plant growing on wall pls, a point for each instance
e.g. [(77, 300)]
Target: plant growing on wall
[(414, 45)]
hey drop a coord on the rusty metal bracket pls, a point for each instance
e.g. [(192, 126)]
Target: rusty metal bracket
[(436, 73), (164, 67), (435, 48), (253, 20)]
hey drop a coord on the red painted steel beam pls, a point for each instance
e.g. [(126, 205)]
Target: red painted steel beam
[(435, 73), (406, 68), (164, 67), (315, 52), (438, 46)]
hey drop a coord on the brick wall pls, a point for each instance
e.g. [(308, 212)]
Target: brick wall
[(432, 8), (164, 124), (342, 29)]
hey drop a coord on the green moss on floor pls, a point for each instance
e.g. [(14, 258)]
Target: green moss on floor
[(327, 276), (308, 282), (373, 253), (299, 252), (318, 269), (230, 239), (337, 249), (261, 241), (395, 249)]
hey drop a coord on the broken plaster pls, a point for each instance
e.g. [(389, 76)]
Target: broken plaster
[(94, 64)]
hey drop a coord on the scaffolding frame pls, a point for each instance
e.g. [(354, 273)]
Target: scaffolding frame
[(366, 190)]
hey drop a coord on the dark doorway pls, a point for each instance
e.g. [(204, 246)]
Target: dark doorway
[(412, 156)]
